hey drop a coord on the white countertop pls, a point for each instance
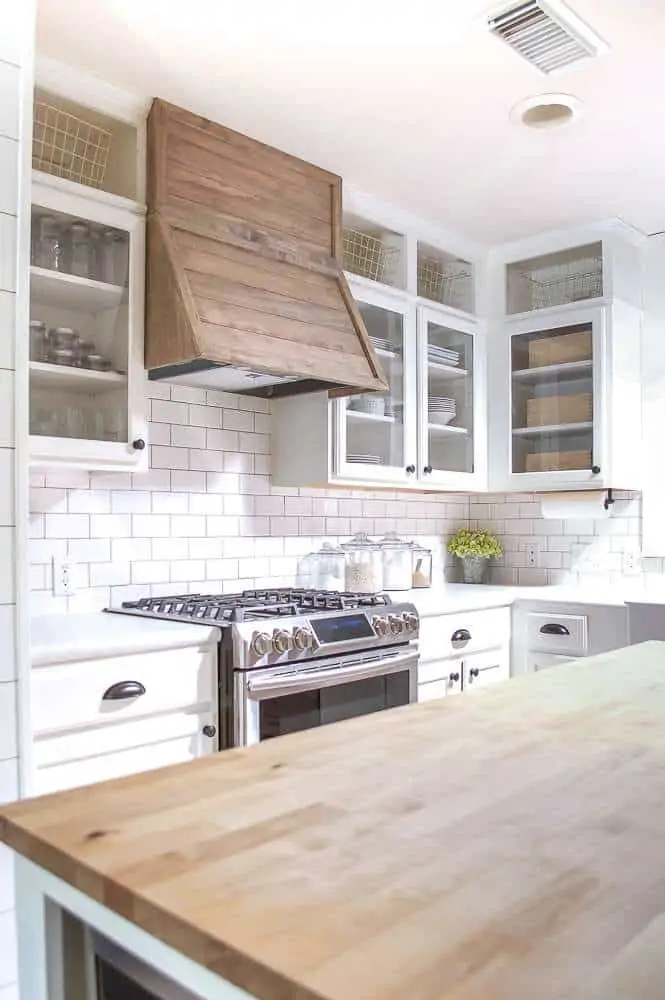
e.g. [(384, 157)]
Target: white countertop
[(67, 638), (461, 597)]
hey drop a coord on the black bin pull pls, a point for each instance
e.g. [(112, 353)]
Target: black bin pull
[(123, 689), (554, 628), (461, 635)]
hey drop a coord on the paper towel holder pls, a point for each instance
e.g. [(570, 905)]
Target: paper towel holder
[(609, 499)]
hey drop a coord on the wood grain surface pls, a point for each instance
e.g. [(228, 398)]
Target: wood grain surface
[(246, 256), (508, 845)]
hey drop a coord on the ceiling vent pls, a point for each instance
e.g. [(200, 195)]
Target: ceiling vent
[(547, 35)]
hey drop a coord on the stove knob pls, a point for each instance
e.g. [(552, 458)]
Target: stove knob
[(303, 638), (281, 641), (396, 624), (261, 643), (410, 621), (380, 625)]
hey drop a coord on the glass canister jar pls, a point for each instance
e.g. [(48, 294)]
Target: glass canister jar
[(308, 571), (397, 562), (421, 566), (363, 565), (331, 567)]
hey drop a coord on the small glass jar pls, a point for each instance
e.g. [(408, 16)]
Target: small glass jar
[(331, 568), (421, 567), (105, 248), (38, 349), (80, 250), (397, 562), (63, 356), (49, 248), (308, 571), (363, 565)]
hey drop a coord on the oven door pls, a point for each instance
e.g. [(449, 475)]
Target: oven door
[(287, 698)]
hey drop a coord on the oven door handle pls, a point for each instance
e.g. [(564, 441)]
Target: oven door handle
[(275, 685)]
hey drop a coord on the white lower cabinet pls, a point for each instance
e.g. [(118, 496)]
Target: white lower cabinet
[(486, 668), (547, 635), (96, 720), (543, 661), (463, 652)]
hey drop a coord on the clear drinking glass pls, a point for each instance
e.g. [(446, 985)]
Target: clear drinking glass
[(49, 252), (80, 250)]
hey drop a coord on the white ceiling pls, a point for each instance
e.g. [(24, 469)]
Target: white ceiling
[(408, 100)]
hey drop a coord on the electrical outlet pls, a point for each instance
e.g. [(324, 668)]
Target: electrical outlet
[(631, 563), (63, 577), (532, 555)]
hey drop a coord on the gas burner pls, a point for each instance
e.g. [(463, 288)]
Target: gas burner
[(253, 605)]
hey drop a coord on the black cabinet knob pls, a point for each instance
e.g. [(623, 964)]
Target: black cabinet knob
[(209, 731), (595, 469), (427, 469), (123, 689), (138, 445), (474, 672), (410, 469), (461, 635), (453, 678)]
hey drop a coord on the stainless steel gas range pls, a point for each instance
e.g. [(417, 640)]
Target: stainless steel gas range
[(295, 659)]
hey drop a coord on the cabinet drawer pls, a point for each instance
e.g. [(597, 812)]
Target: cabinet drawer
[(459, 634), (435, 690), (74, 773), (69, 696), (487, 668), (557, 633)]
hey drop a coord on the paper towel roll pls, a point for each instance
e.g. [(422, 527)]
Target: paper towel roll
[(580, 504)]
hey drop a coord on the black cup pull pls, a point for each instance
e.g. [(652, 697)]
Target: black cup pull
[(209, 731), (427, 470), (554, 628), (123, 689), (138, 444), (410, 469), (461, 635)]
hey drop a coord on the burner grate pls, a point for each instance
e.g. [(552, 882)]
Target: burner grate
[(254, 604)]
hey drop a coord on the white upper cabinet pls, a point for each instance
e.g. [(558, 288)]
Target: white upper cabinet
[(564, 374), (87, 389)]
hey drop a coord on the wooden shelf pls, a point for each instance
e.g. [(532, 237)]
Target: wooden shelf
[(553, 429), (377, 418), (54, 288), (444, 429), (63, 377), (567, 370)]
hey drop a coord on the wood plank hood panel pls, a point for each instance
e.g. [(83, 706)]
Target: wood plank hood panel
[(244, 266)]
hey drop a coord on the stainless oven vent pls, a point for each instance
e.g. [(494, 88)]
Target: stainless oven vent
[(548, 35)]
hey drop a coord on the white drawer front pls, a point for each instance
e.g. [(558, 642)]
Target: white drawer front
[(72, 695), (557, 633), (433, 691), (438, 670), (457, 635), (543, 661), (80, 744), (484, 669)]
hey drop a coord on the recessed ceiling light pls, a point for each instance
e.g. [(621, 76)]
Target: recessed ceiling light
[(547, 111)]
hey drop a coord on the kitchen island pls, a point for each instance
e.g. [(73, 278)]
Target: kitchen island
[(504, 846)]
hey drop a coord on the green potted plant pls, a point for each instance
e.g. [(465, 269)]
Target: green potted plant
[(474, 548)]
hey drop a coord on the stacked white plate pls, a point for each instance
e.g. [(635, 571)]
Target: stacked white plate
[(381, 344), (365, 459), (441, 409), (444, 355)]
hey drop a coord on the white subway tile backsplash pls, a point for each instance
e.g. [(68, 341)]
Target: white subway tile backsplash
[(255, 444), (110, 574), (67, 525), (220, 440), (163, 457), (167, 549), (131, 502), (205, 416), (188, 482), (151, 525), (188, 394), (130, 549), (89, 550), (151, 572), (167, 412), (110, 480), (110, 525), (221, 482), (155, 480), (206, 503), (188, 437), (221, 526), (187, 525), (170, 503), (188, 570), (205, 548), (239, 462), (237, 420), (89, 501)]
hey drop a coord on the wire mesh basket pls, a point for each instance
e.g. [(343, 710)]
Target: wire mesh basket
[(441, 284), (67, 146), (368, 255), (565, 283)]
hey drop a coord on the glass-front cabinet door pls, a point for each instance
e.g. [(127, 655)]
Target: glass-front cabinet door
[(555, 399), (447, 395), (84, 313), (374, 430)]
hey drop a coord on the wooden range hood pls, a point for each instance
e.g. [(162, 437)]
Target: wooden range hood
[(245, 289)]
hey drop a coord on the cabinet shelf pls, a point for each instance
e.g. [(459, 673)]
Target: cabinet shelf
[(566, 370), (47, 376), (446, 371), (577, 428), (377, 418), (56, 288), (444, 429)]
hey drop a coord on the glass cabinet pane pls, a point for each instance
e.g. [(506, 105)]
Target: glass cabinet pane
[(79, 316), (449, 400), (552, 400), (375, 421)]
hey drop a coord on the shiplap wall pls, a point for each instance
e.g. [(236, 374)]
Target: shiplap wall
[(16, 61), (205, 517)]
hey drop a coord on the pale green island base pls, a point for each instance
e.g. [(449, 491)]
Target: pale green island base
[(505, 846)]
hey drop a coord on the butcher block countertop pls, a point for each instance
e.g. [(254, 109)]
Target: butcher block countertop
[(504, 845)]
